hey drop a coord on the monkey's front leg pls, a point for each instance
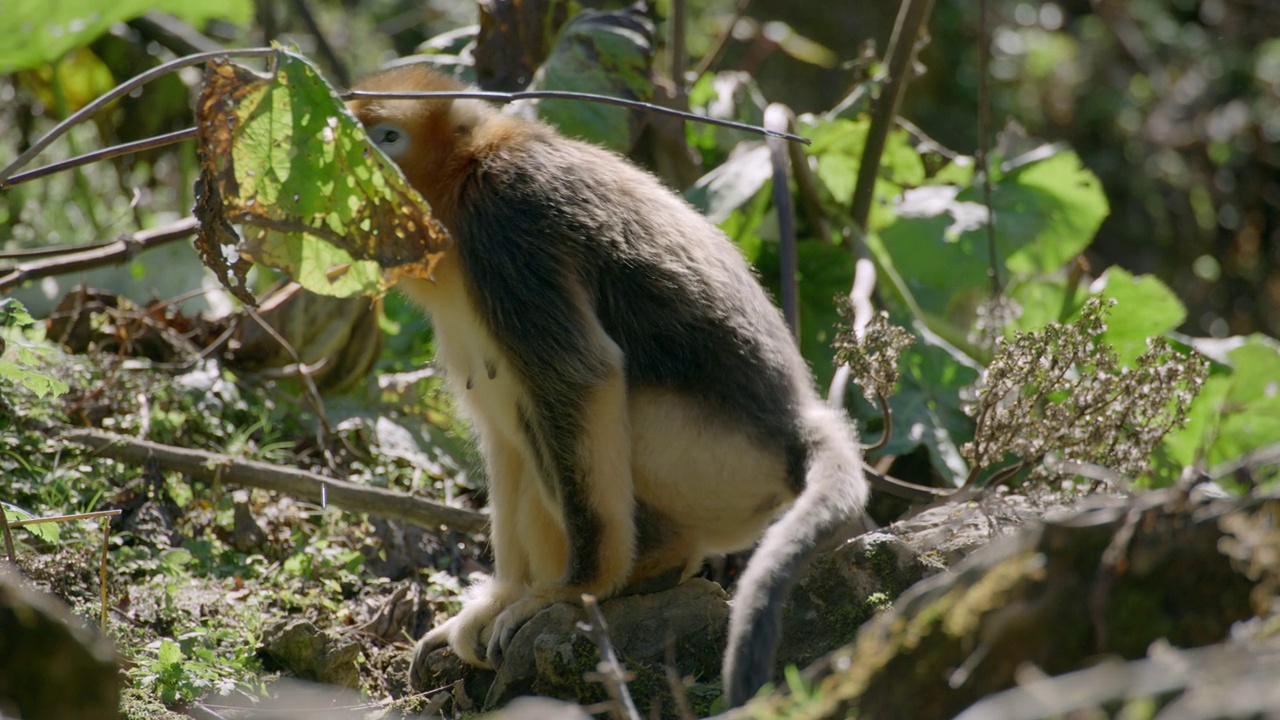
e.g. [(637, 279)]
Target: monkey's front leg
[(586, 444), (511, 488)]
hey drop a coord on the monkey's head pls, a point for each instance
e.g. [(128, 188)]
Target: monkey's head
[(434, 141)]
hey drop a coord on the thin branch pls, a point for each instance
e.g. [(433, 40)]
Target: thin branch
[(888, 425), (8, 536), (984, 143), (778, 117), (103, 154), (912, 18), (9, 176), (102, 571), (807, 189), (291, 481), (340, 72), (677, 20), (908, 491), (66, 518), (174, 34), (118, 92), (1249, 462), (679, 693), (506, 97), (722, 42), (610, 671), (112, 253), (310, 390)]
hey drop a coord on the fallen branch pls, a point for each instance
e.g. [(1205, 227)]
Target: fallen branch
[(292, 481)]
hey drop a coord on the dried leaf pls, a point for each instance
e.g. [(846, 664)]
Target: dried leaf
[(282, 156)]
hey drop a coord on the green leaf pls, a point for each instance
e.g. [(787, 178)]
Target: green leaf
[(170, 654), (34, 32), (1237, 410), (838, 146), (1041, 302), (13, 313), (1047, 212), (606, 53), (174, 560), (935, 249), (24, 364), (1144, 308), (47, 531), (287, 159)]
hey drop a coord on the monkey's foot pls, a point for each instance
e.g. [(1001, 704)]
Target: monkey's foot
[(509, 622), (516, 614)]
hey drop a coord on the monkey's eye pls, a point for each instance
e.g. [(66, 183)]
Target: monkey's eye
[(391, 138)]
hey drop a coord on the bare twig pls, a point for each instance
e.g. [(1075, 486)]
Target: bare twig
[(340, 72), (7, 174), (65, 518), (304, 372), (174, 34), (679, 693), (983, 159), (888, 425), (298, 483), (8, 536), (722, 42), (1247, 463), (778, 118), (901, 54), (118, 92), (807, 189), (908, 491), (102, 570), (103, 154), (117, 251), (676, 20), (610, 671)]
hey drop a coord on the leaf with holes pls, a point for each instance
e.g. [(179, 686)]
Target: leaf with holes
[(282, 156)]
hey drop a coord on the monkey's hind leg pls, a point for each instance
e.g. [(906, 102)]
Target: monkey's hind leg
[(597, 509)]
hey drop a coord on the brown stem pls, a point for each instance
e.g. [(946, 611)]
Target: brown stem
[(292, 481), (112, 253)]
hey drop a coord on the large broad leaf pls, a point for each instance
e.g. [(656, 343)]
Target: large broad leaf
[(35, 32), (1144, 308), (284, 157), (606, 53), (1047, 212), (1237, 410)]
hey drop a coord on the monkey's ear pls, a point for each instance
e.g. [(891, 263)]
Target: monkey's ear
[(391, 138)]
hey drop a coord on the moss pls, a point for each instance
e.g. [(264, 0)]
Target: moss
[(138, 705)]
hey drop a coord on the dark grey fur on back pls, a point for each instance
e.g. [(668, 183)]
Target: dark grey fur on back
[(725, 344)]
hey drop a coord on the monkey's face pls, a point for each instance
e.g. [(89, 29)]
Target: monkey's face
[(426, 137)]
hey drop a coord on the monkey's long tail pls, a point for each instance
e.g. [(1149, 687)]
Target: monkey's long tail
[(835, 494)]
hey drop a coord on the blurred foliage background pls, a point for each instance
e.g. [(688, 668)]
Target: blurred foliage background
[(1174, 104), (1135, 141)]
